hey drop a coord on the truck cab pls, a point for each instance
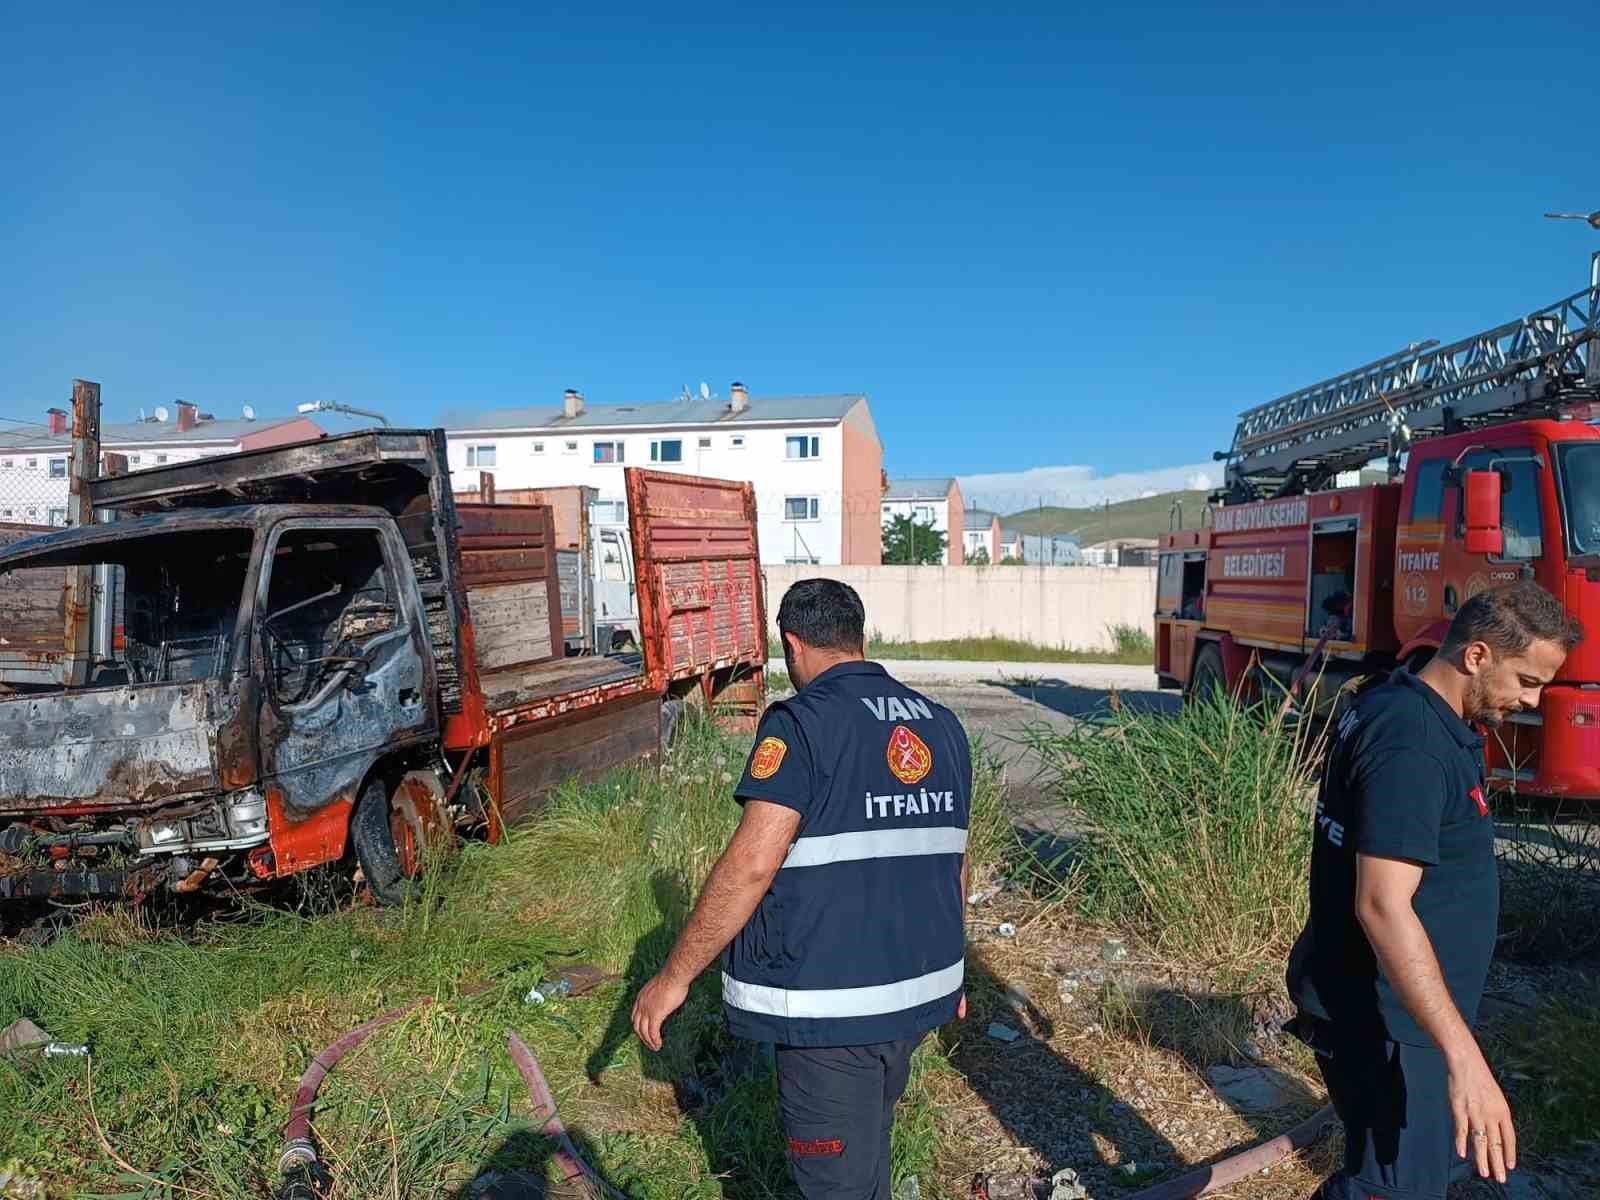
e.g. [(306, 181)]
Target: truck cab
[(1543, 510)]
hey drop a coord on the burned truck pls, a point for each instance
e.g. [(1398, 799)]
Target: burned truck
[(313, 655)]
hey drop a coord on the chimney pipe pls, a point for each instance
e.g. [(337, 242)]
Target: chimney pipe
[(58, 421), (188, 416), (739, 398), (572, 403)]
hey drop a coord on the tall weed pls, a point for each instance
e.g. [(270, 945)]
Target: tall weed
[(1198, 828)]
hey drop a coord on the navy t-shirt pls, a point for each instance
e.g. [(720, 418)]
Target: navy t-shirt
[(1404, 780), (860, 938)]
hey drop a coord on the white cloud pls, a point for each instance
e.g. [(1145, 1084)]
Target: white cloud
[(1080, 487)]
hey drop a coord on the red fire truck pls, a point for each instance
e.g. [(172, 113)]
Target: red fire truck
[(1493, 475)]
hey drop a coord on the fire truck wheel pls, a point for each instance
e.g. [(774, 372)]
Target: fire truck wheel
[(393, 828), (1208, 678)]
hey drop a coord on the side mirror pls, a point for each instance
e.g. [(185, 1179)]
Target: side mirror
[(1480, 505)]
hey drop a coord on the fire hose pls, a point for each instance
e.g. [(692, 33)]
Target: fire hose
[(1197, 1182), (305, 1177)]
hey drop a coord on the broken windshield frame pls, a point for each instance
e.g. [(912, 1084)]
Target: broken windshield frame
[(175, 598)]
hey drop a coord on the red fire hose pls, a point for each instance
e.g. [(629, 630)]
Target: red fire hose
[(304, 1177)]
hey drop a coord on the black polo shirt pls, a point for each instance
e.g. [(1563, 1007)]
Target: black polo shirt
[(860, 938), (1403, 779)]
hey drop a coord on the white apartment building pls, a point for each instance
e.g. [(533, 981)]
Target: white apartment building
[(815, 461), (33, 458), (935, 503)]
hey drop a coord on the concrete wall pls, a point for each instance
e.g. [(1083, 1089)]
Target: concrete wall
[(1050, 606)]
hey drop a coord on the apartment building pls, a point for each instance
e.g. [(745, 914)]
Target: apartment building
[(981, 533), (816, 461), (933, 502), (33, 458)]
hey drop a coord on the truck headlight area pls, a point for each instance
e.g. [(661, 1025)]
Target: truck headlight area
[(235, 822)]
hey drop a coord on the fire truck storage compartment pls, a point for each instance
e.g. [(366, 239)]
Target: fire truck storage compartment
[(1333, 577)]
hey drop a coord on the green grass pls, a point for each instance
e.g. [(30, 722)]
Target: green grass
[(1549, 1061), (1131, 645), (1199, 834), (1147, 517), (200, 1034)]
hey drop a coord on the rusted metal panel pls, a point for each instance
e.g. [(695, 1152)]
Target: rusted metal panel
[(701, 603), (107, 748), (508, 567), (32, 616), (529, 760)]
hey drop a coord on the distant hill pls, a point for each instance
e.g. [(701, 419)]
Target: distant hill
[(1145, 518)]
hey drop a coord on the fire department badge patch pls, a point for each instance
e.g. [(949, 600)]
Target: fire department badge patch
[(764, 763), (909, 756)]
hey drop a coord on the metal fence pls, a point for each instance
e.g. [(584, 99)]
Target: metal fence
[(35, 471)]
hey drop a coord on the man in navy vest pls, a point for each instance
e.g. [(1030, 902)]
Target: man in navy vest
[(837, 906)]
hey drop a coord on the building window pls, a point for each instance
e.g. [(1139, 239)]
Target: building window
[(33, 464), (922, 513), (160, 458), (6, 513), (58, 468), (538, 447), (802, 447), (608, 512), (6, 463), (33, 514), (800, 508), (608, 452), (134, 459), (737, 441), (58, 516), (705, 443), (667, 451), (569, 447), (481, 456)]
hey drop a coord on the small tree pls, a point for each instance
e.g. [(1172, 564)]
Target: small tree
[(907, 542), (979, 557)]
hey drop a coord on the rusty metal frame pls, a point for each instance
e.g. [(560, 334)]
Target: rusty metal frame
[(78, 634)]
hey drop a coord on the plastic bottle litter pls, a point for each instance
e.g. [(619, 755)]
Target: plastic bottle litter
[(1007, 930), (547, 991), (66, 1049)]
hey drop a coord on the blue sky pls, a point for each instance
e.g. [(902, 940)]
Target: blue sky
[(1075, 243)]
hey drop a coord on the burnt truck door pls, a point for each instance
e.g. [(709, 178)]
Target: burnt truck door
[(348, 676)]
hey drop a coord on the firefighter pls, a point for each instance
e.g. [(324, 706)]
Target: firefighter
[(837, 905), (1390, 967)]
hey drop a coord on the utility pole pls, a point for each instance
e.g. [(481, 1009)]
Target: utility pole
[(83, 468)]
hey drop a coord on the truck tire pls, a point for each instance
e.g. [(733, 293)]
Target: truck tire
[(1208, 677), (394, 828), (671, 714)]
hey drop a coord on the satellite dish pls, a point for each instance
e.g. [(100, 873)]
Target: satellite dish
[(705, 391), (161, 413), (249, 413)]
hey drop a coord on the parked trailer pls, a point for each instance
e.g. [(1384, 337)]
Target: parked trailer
[(325, 659)]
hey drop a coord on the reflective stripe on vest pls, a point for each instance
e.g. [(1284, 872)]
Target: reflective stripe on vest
[(875, 843), (843, 1002)]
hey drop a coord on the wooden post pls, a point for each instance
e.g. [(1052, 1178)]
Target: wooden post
[(82, 469)]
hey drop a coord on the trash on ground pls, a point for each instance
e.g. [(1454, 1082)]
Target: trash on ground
[(1113, 949), (1002, 1033), (1256, 1088), (1006, 929), (22, 1034)]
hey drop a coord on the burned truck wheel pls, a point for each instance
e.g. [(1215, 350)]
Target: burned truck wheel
[(1209, 679), (396, 828)]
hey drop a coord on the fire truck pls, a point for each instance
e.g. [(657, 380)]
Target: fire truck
[(1492, 457)]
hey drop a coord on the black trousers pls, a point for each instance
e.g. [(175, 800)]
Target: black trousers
[(1391, 1098), (838, 1111)]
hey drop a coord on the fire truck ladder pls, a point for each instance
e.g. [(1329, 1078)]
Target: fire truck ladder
[(1530, 367)]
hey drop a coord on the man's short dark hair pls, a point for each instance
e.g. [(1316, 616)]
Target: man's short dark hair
[(824, 613), (1509, 619)]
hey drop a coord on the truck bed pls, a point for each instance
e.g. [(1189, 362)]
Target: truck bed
[(529, 686)]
